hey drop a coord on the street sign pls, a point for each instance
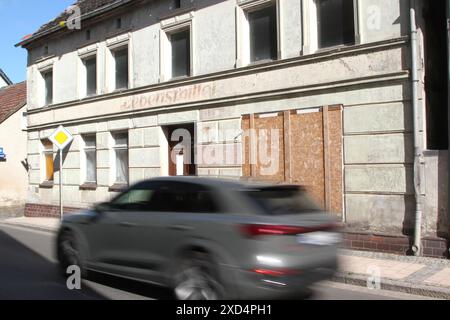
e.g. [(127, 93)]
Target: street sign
[(61, 138)]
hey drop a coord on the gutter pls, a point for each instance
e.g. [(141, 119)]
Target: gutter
[(85, 16), (416, 248)]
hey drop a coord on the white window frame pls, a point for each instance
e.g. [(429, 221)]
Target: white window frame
[(43, 86), (310, 27), (85, 54), (113, 157), (243, 7), (83, 159), (42, 68), (116, 44), (171, 26)]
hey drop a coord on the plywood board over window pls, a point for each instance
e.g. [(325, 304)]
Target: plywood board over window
[(309, 151)]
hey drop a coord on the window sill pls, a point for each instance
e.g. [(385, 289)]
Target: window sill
[(46, 185), (263, 61), (89, 186), (118, 187)]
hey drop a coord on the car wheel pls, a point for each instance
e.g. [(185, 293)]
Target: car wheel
[(197, 279), (68, 252)]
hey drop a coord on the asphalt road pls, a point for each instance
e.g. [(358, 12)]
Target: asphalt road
[(28, 271)]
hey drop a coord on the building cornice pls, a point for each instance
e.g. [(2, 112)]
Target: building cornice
[(274, 65)]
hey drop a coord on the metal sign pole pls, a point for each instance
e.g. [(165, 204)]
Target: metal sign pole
[(60, 184)]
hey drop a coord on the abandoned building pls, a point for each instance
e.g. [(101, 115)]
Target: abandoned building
[(348, 96)]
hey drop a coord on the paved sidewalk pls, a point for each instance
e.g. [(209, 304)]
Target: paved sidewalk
[(43, 224), (415, 275)]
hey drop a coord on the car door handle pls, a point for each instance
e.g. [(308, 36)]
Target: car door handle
[(180, 227), (127, 224)]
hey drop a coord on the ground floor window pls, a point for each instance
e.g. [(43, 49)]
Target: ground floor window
[(90, 159), (121, 157), (47, 155)]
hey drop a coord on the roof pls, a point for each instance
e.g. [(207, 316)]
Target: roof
[(85, 7), (12, 98), (5, 78), (88, 8)]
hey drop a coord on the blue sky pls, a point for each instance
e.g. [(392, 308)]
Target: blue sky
[(17, 19)]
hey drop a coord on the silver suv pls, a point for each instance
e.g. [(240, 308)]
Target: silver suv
[(206, 238)]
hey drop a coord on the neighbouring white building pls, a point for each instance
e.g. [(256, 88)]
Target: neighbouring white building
[(329, 82), (13, 149)]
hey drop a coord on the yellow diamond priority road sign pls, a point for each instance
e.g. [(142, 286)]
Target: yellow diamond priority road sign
[(61, 138)]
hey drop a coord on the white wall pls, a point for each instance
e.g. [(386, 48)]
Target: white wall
[(215, 41), (13, 175)]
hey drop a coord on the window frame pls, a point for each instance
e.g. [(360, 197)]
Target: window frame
[(189, 69), (117, 43), (243, 8), (47, 151), (114, 149), (45, 88), (84, 160), (84, 90), (126, 49), (310, 33), (169, 27)]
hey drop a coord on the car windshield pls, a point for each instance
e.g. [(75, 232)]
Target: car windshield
[(283, 201)]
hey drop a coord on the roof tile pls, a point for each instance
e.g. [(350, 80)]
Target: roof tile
[(12, 98)]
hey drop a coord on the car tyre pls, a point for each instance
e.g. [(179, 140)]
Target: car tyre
[(197, 278), (69, 253)]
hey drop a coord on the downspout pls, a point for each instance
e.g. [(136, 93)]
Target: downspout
[(448, 104), (416, 248)]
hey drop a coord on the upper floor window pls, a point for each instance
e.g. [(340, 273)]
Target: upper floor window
[(263, 33), (181, 53), (90, 69), (48, 86), (335, 22), (121, 68)]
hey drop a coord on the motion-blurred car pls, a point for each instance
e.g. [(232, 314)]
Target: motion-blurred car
[(206, 238)]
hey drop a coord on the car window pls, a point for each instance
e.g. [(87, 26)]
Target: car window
[(283, 201), (137, 198), (184, 197)]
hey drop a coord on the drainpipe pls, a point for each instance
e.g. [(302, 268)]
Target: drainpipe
[(448, 104), (416, 248)]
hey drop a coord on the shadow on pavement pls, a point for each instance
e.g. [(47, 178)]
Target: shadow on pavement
[(132, 286), (26, 275)]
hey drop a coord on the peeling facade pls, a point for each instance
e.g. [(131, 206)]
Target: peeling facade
[(369, 80)]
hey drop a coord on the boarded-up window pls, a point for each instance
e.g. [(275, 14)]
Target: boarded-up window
[(48, 159), (310, 151)]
